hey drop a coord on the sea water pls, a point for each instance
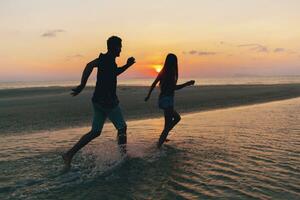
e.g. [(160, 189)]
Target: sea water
[(250, 152), (243, 80)]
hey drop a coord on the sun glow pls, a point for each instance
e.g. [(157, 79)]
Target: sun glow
[(157, 68)]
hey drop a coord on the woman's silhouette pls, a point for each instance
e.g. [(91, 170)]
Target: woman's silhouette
[(167, 79)]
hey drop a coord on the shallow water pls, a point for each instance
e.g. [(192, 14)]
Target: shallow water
[(250, 152)]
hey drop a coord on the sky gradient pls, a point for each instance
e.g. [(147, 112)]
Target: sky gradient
[(53, 40)]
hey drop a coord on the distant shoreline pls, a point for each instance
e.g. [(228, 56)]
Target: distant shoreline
[(231, 80), (26, 110)]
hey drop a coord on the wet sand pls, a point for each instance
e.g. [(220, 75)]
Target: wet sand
[(247, 152), (52, 108)]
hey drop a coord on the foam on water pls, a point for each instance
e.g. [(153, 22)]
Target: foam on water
[(247, 152)]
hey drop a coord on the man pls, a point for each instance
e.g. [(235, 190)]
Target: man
[(105, 101)]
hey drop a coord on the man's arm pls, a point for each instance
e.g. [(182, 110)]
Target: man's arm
[(130, 61), (180, 86), (85, 76), (152, 87)]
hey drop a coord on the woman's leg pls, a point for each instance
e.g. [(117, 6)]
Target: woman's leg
[(175, 120), (168, 113)]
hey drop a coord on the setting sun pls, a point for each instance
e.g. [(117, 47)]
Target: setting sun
[(157, 68)]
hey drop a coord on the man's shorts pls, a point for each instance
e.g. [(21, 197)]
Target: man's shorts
[(100, 115), (165, 102)]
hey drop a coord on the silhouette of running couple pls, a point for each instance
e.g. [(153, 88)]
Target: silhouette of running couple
[(106, 103)]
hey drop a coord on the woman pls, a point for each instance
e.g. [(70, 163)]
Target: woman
[(167, 79)]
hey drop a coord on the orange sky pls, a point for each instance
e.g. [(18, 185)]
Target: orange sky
[(53, 40)]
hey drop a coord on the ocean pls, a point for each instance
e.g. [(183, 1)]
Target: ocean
[(247, 152), (243, 80)]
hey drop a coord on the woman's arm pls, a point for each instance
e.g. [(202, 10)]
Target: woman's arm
[(180, 86), (152, 87)]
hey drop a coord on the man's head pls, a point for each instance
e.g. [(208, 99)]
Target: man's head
[(114, 45)]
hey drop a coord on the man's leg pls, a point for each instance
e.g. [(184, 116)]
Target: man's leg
[(117, 119), (98, 121)]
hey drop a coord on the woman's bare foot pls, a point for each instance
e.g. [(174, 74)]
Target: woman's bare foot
[(67, 160)]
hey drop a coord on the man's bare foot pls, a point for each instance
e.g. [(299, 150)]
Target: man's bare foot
[(67, 160)]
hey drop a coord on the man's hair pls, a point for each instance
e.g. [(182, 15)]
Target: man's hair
[(113, 41)]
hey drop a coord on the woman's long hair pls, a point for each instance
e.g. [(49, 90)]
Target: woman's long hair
[(169, 73)]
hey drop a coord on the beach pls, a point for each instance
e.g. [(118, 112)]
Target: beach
[(28, 110), (246, 152)]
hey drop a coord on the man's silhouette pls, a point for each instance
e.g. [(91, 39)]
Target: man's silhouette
[(105, 100)]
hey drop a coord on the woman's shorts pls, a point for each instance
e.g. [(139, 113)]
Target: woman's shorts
[(166, 102)]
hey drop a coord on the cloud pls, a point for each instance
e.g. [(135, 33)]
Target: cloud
[(256, 47), (279, 50), (192, 52), (284, 50), (200, 53), (222, 43), (52, 33), (226, 43), (76, 56), (206, 53)]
